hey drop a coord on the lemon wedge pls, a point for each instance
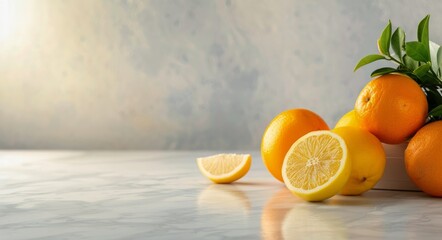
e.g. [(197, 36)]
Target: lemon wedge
[(316, 167), (225, 168)]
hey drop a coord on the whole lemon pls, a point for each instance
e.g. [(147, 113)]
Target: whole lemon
[(367, 159), (282, 132), (349, 120)]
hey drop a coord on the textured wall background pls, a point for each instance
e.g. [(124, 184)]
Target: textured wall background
[(182, 74)]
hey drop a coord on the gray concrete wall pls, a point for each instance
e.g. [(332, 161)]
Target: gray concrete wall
[(182, 74)]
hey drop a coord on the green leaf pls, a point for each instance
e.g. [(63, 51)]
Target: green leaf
[(398, 42), (384, 40), (434, 48), (410, 63), (414, 77), (422, 32), (417, 51), (368, 59), (434, 96), (422, 70), (383, 71), (435, 114), (439, 60), (437, 110), (430, 78)]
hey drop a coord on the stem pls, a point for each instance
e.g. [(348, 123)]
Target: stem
[(397, 61)]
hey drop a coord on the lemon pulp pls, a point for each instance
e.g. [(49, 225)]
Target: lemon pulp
[(225, 168), (317, 166)]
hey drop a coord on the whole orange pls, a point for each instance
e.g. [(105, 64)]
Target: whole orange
[(282, 132), (392, 107), (423, 159)]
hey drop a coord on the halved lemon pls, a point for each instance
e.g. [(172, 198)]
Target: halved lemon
[(317, 166), (225, 168)]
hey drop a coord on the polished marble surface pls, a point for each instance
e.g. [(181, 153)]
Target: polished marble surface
[(162, 195)]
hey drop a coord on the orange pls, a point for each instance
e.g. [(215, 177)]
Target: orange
[(423, 159), (392, 107), (282, 132)]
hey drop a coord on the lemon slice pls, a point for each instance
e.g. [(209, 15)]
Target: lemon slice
[(317, 166), (225, 168)]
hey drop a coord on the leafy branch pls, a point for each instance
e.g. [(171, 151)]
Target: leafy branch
[(421, 60)]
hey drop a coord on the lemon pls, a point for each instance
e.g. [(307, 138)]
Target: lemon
[(367, 159), (349, 120), (317, 166), (225, 168)]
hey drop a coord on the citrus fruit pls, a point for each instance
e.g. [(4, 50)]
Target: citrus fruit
[(317, 166), (225, 168), (392, 107), (349, 120), (423, 159), (367, 158), (282, 132)]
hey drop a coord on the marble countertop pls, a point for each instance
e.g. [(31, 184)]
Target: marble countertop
[(162, 195)]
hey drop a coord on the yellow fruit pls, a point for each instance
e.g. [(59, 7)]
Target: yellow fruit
[(349, 120), (225, 168), (317, 166), (367, 158), (392, 107), (282, 132)]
